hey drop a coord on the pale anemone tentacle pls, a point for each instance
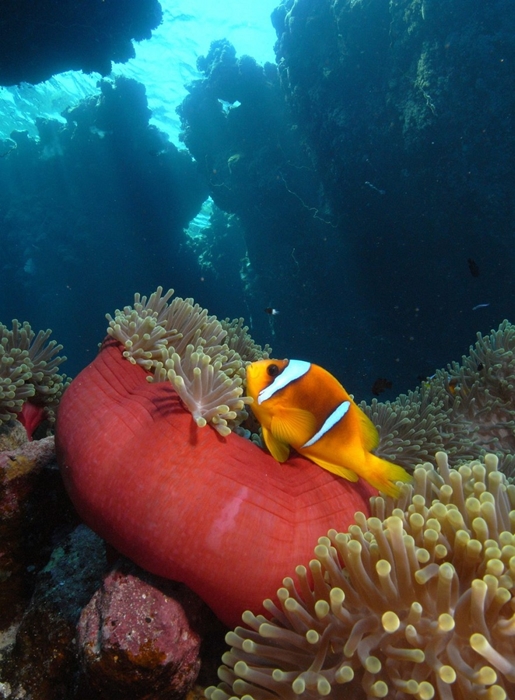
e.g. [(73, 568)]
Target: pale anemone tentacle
[(141, 330), (29, 370), (239, 340), (45, 358), (467, 410), (208, 392), (416, 601), (178, 341)]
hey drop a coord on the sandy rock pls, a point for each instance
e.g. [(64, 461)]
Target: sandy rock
[(138, 636)]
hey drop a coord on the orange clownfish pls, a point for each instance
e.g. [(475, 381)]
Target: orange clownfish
[(301, 405)]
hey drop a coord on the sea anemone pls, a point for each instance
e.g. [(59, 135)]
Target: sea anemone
[(212, 391), (467, 410), (415, 601), (215, 512), (29, 365), (189, 500), (203, 358), (239, 339)]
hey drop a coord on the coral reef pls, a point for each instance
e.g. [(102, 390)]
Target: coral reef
[(28, 370), (415, 601), (466, 410)]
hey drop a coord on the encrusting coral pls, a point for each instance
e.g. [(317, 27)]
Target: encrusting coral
[(203, 358), (466, 410), (415, 601), (29, 370)]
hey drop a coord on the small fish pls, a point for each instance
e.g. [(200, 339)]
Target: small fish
[(301, 405), (426, 381), (271, 311), (479, 306), (473, 267), (381, 384), (452, 385)]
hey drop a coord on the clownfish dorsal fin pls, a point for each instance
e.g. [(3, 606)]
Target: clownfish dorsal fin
[(337, 469), (279, 450), (369, 432), (293, 425)]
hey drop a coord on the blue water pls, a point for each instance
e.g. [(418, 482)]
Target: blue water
[(164, 64), (351, 213), (59, 248)]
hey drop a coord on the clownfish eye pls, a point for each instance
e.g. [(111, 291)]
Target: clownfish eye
[(273, 370)]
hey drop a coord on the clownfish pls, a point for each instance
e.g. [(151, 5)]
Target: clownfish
[(303, 406)]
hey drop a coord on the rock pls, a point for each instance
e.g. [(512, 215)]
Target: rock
[(34, 45), (32, 505), (43, 664), (138, 636), (12, 435)]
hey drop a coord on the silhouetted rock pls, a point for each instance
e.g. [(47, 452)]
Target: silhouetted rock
[(38, 41)]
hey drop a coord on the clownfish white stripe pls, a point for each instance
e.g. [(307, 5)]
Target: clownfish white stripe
[(329, 422), (295, 369)]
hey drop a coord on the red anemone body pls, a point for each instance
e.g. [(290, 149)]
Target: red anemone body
[(218, 514), (31, 416)]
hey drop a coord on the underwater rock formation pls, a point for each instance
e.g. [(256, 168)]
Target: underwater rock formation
[(101, 192), (35, 44), (406, 110), (42, 663), (29, 494), (249, 152)]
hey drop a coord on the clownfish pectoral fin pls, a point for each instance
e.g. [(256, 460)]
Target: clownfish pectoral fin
[(369, 432), (293, 425), (337, 469), (279, 450)]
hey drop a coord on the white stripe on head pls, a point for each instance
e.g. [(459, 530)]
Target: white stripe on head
[(295, 369), (329, 422)]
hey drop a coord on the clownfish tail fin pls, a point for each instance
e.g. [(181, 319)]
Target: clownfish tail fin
[(383, 475)]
